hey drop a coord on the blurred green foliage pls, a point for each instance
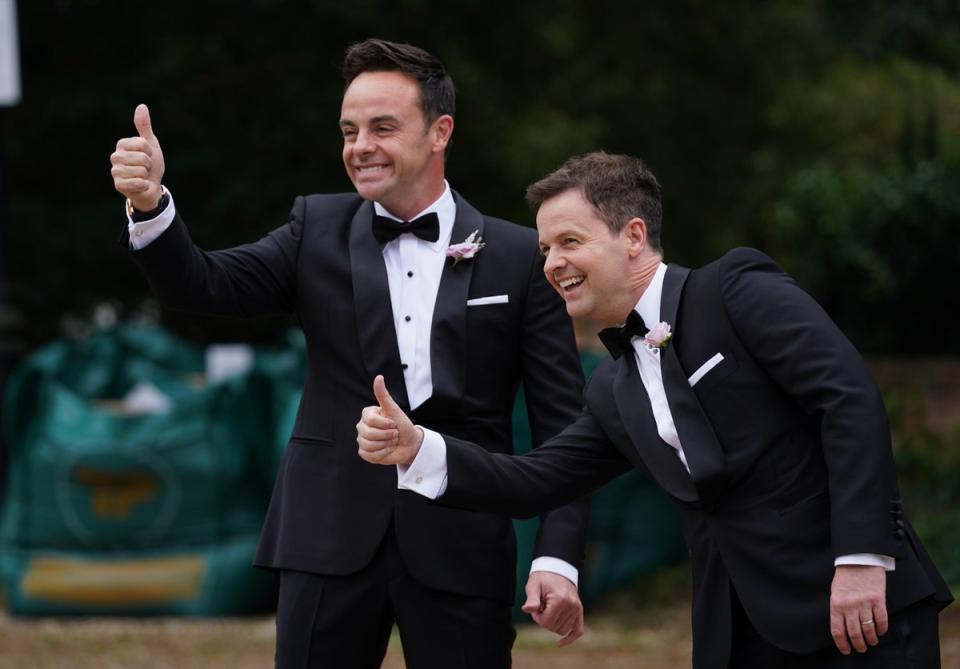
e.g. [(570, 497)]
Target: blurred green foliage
[(875, 245), (774, 124), (932, 495), (928, 465)]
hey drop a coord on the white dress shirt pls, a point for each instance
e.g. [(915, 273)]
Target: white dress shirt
[(427, 474), (414, 268)]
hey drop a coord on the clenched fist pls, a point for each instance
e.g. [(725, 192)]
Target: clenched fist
[(138, 164)]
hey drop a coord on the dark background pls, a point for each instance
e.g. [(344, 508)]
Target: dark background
[(826, 133)]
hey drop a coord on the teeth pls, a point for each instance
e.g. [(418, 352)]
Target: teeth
[(571, 281), (367, 170)]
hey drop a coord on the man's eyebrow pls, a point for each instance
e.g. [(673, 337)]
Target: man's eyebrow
[(375, 119), (569, 231)]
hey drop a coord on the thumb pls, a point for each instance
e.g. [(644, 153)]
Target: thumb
[(387, 405), (532, 605), (141, 119)]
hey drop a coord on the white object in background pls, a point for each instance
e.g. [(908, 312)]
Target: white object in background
[(9, 55), (227, 360), (146, 398)]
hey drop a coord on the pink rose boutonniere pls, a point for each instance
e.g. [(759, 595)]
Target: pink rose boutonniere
[(659, 335), (466, 249)]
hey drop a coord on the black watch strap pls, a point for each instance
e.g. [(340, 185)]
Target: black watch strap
[(138, 216)]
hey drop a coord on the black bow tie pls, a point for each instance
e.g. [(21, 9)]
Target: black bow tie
[(426, 227), (617, 340)]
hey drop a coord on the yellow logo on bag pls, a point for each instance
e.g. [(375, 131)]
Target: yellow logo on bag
[(117, 582), (115, 494)]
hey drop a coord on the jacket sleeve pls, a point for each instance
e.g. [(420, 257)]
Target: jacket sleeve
[(578, 460), (247, 280), (811, 360)]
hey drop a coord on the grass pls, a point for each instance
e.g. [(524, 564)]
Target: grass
[(644, 627)]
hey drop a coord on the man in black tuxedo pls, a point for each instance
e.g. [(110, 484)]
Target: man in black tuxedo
[(736, 393), (369, 278)]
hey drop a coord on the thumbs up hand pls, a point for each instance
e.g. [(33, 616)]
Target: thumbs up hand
[(385, 434), (137, 164)]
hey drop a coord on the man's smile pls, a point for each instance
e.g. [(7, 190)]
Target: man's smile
[(369, 170), (567, 284)]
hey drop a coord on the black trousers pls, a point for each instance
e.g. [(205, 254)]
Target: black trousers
[(911, 642), (344, 622)]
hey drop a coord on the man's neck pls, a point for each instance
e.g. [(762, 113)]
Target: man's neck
[(412, 207), (641, 278)]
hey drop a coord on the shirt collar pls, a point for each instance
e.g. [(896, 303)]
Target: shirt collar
[(445, 208), (649, 304)]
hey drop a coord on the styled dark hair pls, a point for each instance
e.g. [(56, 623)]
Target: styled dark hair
[(437, 94), (619, 187)]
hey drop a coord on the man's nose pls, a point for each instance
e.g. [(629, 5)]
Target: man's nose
[(364, 143), (554, 261)]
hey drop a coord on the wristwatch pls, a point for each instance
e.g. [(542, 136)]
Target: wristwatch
[(153, 213)]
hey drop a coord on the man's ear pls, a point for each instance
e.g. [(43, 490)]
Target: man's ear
[(635, 232), (440, 132)]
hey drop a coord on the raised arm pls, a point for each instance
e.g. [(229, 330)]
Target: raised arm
[(251, 279)]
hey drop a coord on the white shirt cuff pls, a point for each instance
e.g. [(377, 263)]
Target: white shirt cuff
[(427, 474), (867, 560), (556, 566), (145, 232)]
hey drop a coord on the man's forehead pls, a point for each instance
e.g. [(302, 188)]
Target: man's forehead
[(378, 107), (552, 227), (564, 220), (382, 88)]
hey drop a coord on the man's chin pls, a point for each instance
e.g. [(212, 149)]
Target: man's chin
[(376, 191), (372, 194), (578, 311)]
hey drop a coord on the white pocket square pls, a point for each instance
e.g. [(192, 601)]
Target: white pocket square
[(704, 368), (493, 299)]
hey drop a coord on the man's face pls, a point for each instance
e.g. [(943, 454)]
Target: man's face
[(389, 153), (585, 262)]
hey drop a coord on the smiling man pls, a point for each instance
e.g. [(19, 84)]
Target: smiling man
[(733, 390), (369, 278)]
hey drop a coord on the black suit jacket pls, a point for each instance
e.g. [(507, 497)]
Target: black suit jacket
[(796, 469), (330, 510)]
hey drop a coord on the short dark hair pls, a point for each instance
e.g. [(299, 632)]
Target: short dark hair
[(619, 187), (437, 93)]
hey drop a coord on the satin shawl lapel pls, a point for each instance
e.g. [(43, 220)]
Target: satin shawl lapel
[(448, 334), (374, 312), (634, 406), (700, 444)]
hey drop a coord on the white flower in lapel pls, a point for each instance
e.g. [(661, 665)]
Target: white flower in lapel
[(659, 335), (466, 249)]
